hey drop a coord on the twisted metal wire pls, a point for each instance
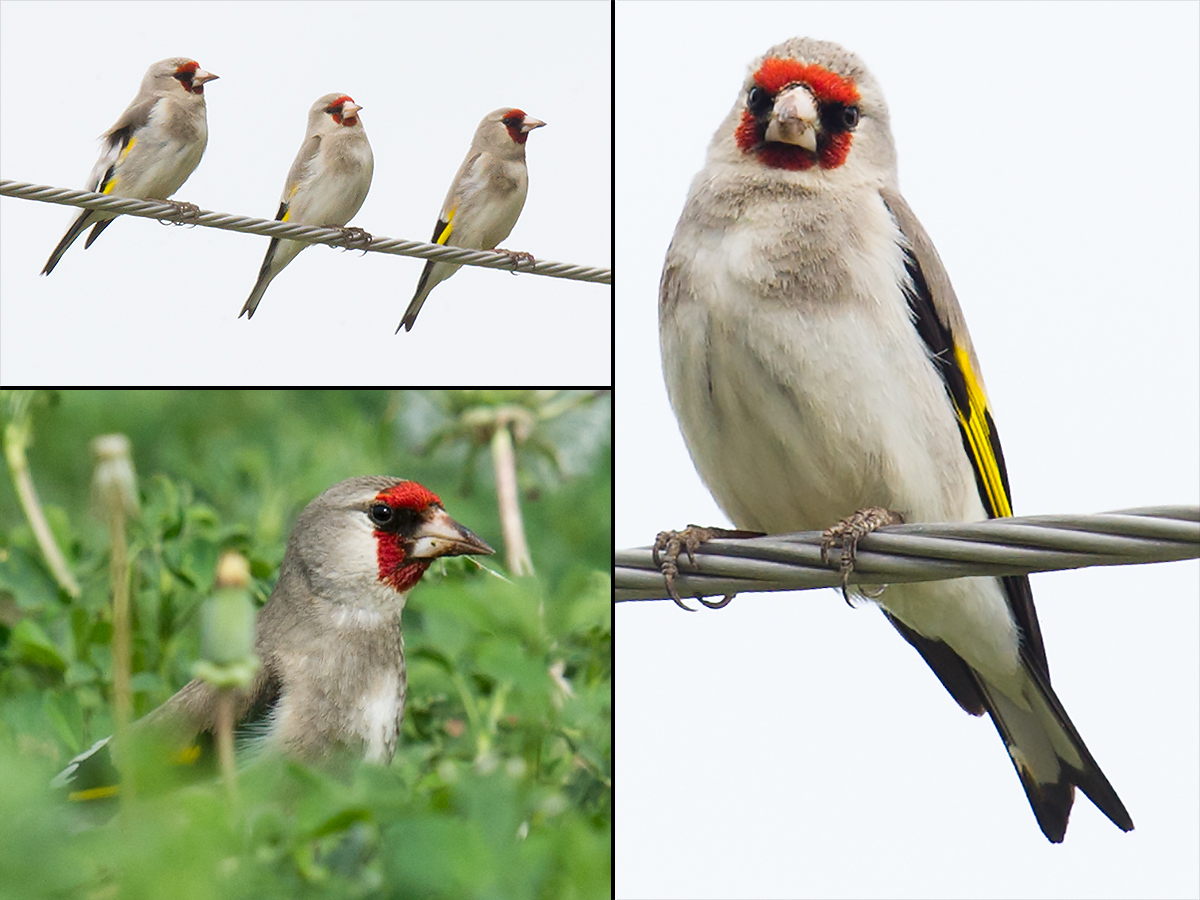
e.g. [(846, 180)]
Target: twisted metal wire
[(335, 237), (922, 552)]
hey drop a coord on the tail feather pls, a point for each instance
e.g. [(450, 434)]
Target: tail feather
[(1047, 752), (251, 304), (1050, 757), (265, 273), (100, 226), (432, 275), (79, 226)]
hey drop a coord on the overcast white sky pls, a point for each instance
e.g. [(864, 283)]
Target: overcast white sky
[(158, 304), (789, 746)]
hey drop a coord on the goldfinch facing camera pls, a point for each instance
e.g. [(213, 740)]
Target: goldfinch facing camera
[(819, 364), (485, 199), (152, 149), (326, 185)]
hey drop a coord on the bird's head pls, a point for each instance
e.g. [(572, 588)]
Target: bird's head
[(367, 539)]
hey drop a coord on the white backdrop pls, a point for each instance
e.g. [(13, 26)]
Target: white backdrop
[(788, 746), (157, 304)]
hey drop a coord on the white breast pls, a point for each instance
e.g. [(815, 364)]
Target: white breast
[(796, 412), (381, 709)]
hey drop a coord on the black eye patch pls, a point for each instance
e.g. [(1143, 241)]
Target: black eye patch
[(837, 118), (759, 102)]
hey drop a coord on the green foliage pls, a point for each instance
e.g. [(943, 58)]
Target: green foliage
[(502, 783)]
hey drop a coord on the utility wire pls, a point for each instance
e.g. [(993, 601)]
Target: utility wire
[(171, 211), (924, 552)]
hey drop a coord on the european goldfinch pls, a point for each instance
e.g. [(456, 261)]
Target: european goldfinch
[(332, 680), (485, 199), (819, 364), (326, 185), (152, 149)]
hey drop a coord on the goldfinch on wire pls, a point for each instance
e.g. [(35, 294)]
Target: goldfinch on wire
[(326, 185), (153, 147), (484, 200), (821, 370)]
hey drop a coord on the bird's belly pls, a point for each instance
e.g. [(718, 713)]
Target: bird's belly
[(797, 416), (157, 169)]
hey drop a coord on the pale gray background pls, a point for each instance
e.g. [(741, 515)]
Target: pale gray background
[(788, 746), (158, 304)]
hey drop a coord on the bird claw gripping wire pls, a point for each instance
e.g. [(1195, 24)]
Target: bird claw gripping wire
[(518, 257), (669, 544), (355, 238), (183, 210), (848, 533)]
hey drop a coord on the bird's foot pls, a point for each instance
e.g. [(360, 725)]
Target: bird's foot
[(669, 544), (848, 533), (189, 212), (518, 257), (354, 237)]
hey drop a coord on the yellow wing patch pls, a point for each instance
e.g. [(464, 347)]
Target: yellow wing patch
[(112, 182), (186, 756), (445, 235), (97, 793), (974, 421)]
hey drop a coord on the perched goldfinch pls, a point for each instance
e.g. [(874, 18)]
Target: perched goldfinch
[(326, 185), (819, 365), (485, 199), (152, 149)]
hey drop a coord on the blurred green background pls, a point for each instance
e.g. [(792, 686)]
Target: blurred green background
[(501, 786)]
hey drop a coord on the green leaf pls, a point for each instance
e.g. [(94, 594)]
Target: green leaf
[(29, 643)]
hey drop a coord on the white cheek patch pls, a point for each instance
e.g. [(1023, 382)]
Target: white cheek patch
[(350, 560), (356, 548)]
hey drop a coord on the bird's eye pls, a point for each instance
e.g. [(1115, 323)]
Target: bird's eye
[(381, 514), (838, 119), (758, 102)]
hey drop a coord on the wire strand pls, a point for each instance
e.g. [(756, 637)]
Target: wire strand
[(924, 552), (170, 211)]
